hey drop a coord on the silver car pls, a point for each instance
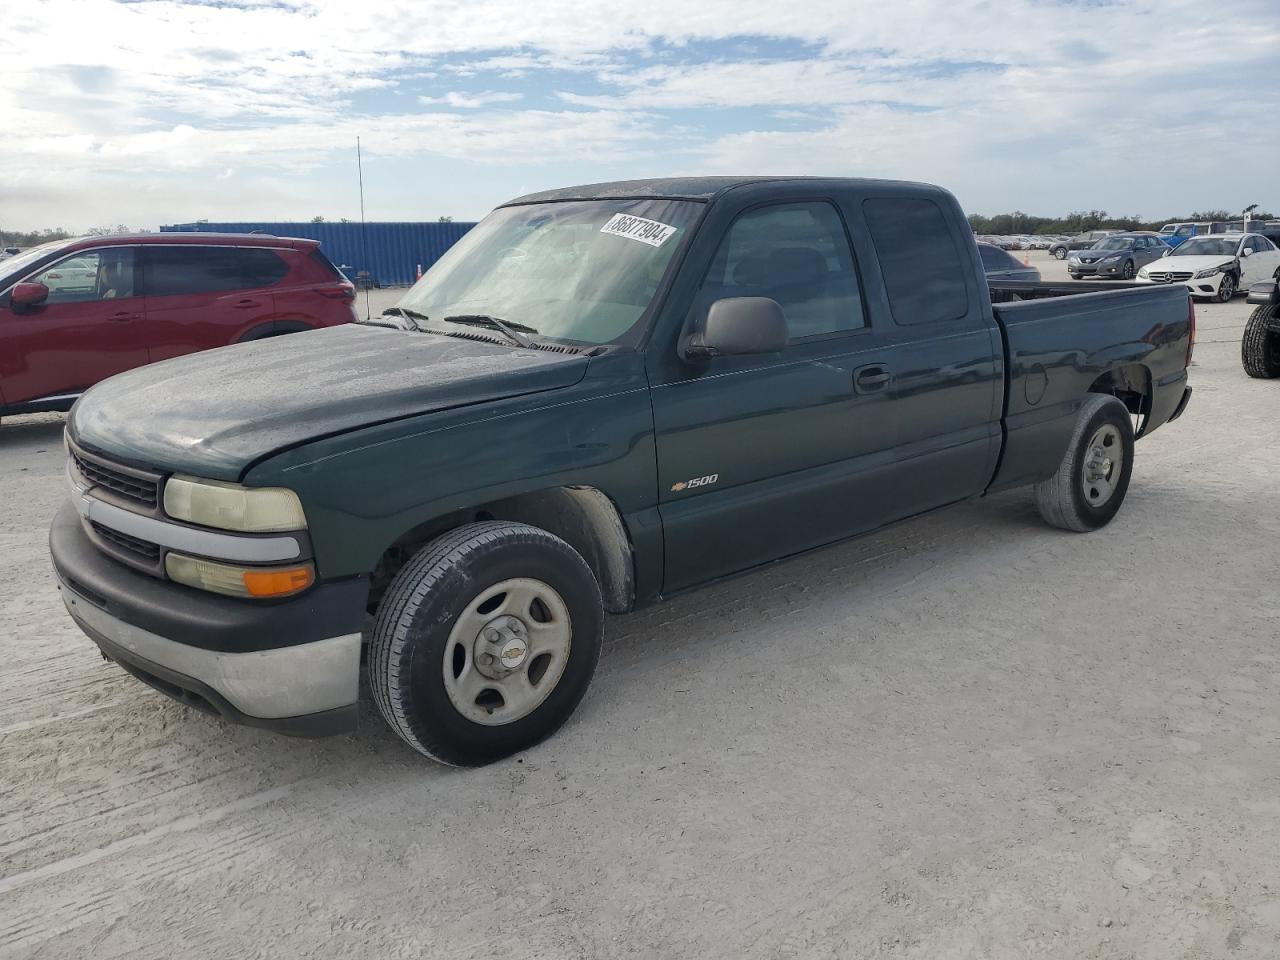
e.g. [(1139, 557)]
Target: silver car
[(1117, 257)]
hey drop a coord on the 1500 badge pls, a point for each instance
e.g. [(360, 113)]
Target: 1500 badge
[(706, 481)]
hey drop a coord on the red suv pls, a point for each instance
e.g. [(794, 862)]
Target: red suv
[(74, 312)]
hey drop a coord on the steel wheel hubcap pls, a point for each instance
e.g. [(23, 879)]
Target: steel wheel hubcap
[(507, 651), (1103, 461)]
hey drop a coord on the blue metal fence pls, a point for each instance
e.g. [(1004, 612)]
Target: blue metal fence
[(395, 249)]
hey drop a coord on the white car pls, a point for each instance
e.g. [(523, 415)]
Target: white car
[(1217, 265), (71, 276)]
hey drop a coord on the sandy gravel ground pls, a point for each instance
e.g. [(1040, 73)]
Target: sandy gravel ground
[(971, 736)]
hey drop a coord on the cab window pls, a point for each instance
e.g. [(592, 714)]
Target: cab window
[(797, 254)]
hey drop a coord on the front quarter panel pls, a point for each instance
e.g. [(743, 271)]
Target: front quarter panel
[(364, 489)]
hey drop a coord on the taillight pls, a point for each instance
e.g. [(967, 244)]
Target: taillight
[(338, 291), (1191, 332)]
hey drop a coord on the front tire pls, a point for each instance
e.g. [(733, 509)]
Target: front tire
[(485, 642), (1227, 288), (1090, 483), (1128, 270), (1260, 347)]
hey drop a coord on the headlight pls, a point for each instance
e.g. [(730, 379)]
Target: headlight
[(1211, 272), (1111, 259), (260, 582), (229, 506), (1143, 273)]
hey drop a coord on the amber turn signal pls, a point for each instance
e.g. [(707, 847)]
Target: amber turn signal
[(277, 583)]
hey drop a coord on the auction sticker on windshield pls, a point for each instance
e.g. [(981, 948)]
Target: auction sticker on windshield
[(638, 228)]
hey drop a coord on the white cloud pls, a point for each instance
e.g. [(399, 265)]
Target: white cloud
[(470, 101)]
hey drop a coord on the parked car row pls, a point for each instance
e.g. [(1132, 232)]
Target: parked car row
[(1175, 233), (74, 312)]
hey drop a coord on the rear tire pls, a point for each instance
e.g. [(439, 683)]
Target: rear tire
[(1260, 348), (1060, 253), (1090, 483), (485, 642)]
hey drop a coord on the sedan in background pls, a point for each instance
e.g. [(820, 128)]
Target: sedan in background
[(1000, 265), (1080, 241), (1117, 257), (1218, 265)]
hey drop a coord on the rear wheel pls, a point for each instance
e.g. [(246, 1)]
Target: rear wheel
[(485, 642), (1093, 477), (1060, 253), (1227, 288), (1260, 348)]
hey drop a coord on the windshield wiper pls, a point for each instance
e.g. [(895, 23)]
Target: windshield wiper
[(412, 316), (507, 328)]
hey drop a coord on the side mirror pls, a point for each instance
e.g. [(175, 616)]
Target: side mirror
[(1167, 251), (29, 295), (1246, 253), (737, 326)]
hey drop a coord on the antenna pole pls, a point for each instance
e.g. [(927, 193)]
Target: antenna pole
[(364, 240)]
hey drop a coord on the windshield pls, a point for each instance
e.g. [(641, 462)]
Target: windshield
[(1114, 243), (1207, 247), (583, 271), (13, 268)]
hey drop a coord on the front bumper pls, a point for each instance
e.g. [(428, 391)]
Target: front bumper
[(291, 666), (1096, 269), (1204, 287)]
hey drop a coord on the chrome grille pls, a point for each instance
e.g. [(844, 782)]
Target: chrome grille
[(1167, 276), (136, 486)]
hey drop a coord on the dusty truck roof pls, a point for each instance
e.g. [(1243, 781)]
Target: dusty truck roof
[(670, 188)]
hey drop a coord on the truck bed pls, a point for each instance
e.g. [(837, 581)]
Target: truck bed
[(1146, 332)]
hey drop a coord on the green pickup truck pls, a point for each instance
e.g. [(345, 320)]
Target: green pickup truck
[(600, 397)]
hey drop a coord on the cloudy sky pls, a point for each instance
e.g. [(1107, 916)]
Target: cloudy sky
[(155, 111)]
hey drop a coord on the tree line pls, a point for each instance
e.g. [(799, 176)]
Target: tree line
[(1078, 221)]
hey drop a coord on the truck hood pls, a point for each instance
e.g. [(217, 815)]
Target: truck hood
[(214, 413)]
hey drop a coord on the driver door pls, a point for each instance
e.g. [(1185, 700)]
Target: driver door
[(89, 328)]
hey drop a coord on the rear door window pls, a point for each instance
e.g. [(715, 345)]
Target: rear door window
[(924, 271), (177, 270)]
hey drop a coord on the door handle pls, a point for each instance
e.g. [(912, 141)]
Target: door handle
[(248, 304), (124, 316), (871, 379)]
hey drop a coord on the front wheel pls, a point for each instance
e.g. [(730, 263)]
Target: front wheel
[(485, 642), (1227, 288), (1073, 276), (1260, 347), (1090, 483), (1128, 270)]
